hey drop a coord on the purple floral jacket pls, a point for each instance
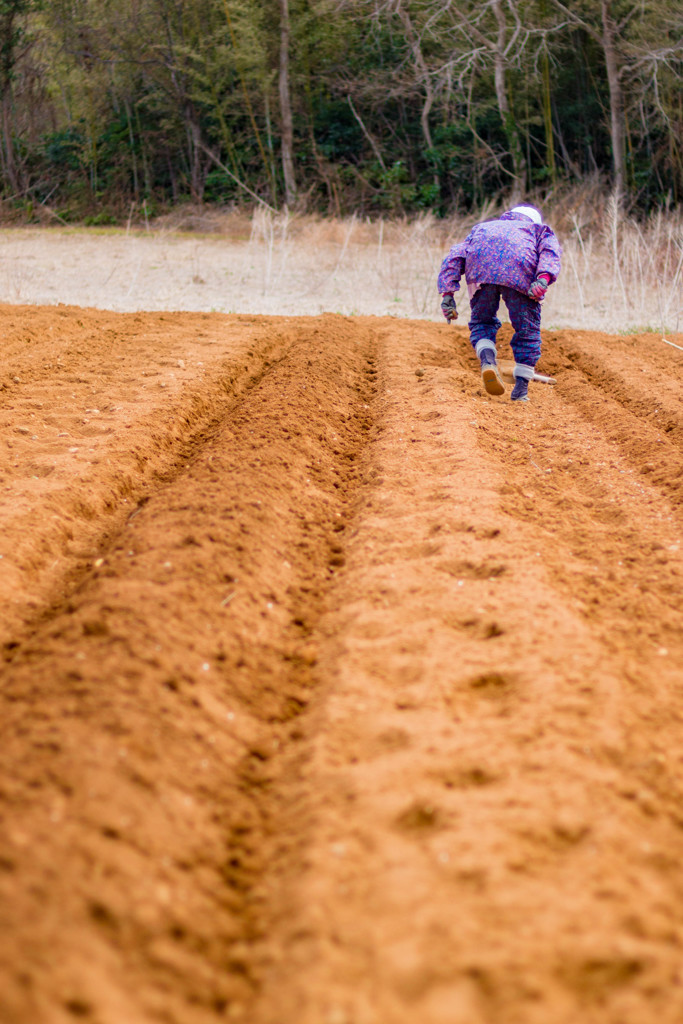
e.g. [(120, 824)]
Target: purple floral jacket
[(510, 251)]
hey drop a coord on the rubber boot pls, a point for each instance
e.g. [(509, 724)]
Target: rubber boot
[(522, 374), (490, 374), (520, 390)]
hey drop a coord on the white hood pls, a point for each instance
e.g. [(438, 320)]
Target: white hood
[(530, 212)]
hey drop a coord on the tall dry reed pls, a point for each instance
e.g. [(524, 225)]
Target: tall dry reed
[(619, 273)]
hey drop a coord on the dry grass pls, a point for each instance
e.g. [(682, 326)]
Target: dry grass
[(618, 274)]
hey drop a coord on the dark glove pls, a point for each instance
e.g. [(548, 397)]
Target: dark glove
[(539, 287), (448, 307)]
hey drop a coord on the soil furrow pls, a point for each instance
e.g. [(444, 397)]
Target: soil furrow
[(371, 711), (612, 541), (489, 841), (139, 725), (641, 373), (637, 405), (71, 479)]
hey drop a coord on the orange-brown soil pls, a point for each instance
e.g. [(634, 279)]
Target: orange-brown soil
[(335, 691)]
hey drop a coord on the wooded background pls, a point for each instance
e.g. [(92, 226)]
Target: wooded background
[(378, 107)]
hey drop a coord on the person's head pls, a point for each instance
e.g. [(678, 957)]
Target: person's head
[(528, 211)]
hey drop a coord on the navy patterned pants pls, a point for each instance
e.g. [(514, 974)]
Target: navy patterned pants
[(525, 317)]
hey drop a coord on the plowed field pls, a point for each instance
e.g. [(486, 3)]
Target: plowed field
[(334, 690)]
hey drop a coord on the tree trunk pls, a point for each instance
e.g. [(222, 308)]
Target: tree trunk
[(422, 73), (248, 104), (287, 142), (424, 76), (514, 141), (548, 121), (8, 59), (9, 168), (609, 29), (194, 152)]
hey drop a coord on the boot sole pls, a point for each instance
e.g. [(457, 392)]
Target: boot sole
[(492, 380)]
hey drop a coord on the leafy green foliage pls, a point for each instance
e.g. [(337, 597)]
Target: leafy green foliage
[(112, 104)]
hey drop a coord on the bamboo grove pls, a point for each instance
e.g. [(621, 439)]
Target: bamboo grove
[(368, 106)]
